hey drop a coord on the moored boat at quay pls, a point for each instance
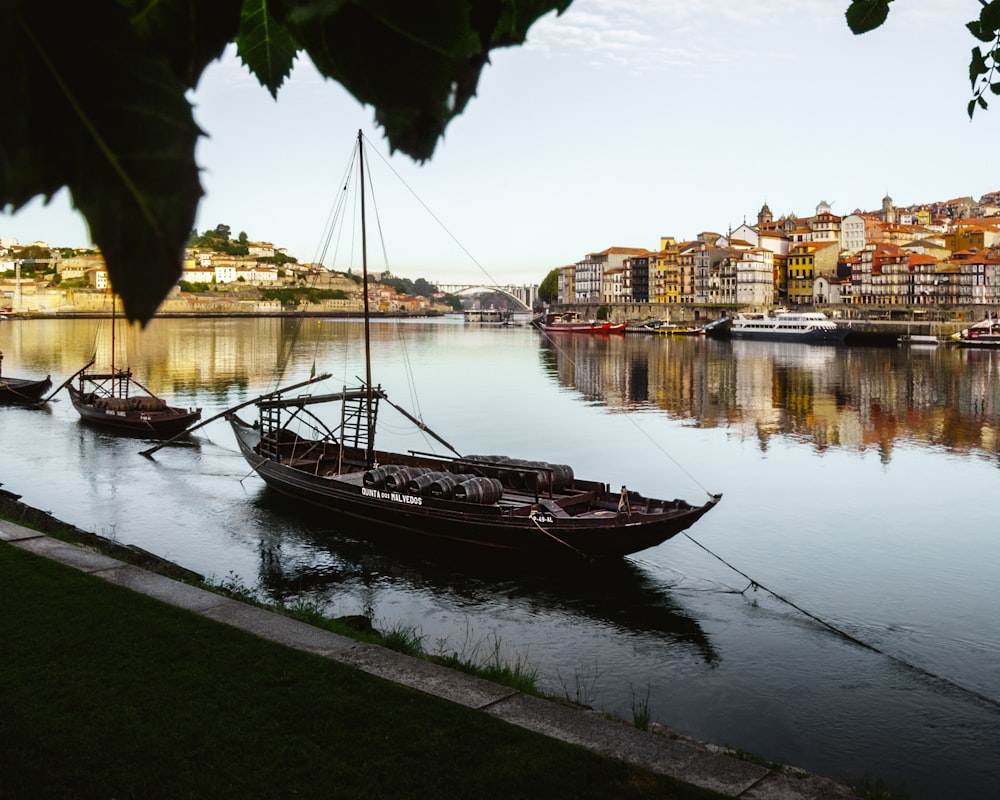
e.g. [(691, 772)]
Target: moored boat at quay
[(532, 510), (800, 326), (572, 322), (985, 333), (22, 391), (116, 401), (488, 316), (679, 330)]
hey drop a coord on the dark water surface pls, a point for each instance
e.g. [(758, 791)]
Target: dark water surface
[(860, 485)]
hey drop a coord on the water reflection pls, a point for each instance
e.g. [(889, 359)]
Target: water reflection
[(320, 559), (859, 398), (793, 435)]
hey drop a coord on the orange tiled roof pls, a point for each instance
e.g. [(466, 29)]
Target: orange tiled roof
[(628, 251)]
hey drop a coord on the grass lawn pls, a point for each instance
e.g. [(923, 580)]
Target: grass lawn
[(107, 693)]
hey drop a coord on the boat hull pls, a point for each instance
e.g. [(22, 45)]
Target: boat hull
[(983, 341), (164, 423), (814, 336), (517, 528), (983, 334), (19, 391), (580, 327), (670, 330), (800, 326)]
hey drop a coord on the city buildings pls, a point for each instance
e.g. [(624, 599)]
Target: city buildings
[(945, 253)]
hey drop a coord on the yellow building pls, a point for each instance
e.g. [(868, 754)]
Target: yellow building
[(965, 238), (664, 270), (801, 270)]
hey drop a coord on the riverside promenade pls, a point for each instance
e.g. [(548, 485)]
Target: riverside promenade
[(661, 752)]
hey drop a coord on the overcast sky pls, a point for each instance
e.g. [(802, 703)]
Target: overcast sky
[(619, 122)]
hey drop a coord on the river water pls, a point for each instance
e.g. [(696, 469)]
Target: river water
[(837, 611)]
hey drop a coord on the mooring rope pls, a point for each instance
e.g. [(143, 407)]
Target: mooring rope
[(947, 682), (560, 541)]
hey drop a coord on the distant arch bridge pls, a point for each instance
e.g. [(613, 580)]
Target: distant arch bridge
[(523, 297)]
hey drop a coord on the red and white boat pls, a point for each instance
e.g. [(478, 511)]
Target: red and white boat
[(572, 322), (985, 333)]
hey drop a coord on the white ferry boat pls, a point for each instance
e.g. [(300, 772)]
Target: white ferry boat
[(488, 316), (805, 326)]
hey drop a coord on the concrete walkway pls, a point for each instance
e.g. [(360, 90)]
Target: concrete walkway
[(664, 753)]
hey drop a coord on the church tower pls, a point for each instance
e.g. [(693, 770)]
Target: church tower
[(888, 212), (764, 215)]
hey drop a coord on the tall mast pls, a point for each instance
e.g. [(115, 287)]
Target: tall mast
[(370, 452), (114, 301)]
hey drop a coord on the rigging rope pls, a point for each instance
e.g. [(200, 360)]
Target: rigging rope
[(407, 362), (438, 221), (552, 341), (925, 673), (559, 541), (629, 418)]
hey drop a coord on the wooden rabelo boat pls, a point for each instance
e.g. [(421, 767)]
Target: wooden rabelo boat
[(116, 401), (531, 510), (22, 391)]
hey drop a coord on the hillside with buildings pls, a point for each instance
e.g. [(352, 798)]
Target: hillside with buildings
[(937, 254), (238, 277)]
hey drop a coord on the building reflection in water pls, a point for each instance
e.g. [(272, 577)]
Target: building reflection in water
[(845, 397), (849, 397)]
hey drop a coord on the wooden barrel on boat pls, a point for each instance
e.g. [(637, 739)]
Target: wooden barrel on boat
[(376, 478), (396, 482), (421, 484), (562, 477), (444, 487), (529, 475), (483, 491), (526, 476)]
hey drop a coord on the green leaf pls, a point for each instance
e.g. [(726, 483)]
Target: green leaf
[(995, 87), (866, 15), (989, 16), (94, 98), (982, 102), (265, 45), (26, 137), (188, 35), (109, 120), (977, 65), (515, 19), (972, 107), (418, 64), (976, 29)]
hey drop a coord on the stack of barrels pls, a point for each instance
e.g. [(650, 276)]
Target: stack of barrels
[(434, 483), (527, 476), (497, 473)]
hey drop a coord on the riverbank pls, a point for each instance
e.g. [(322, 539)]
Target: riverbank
[(71, 315), (197, 694), (864, 329)]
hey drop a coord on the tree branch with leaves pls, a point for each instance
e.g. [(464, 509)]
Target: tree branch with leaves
[(95, 99), (95, 96), (866, 15)]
